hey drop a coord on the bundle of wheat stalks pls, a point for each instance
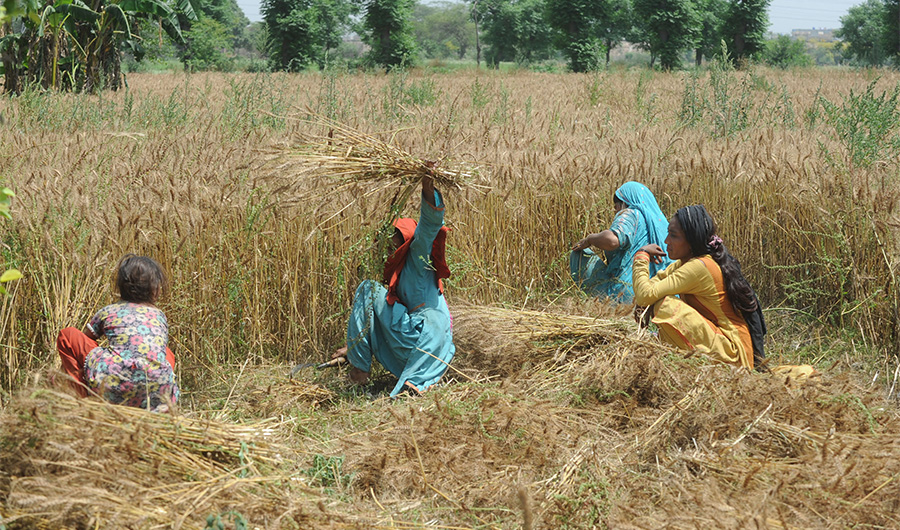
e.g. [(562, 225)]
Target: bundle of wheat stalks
[(344, 157), (348, 155), (71, 461), (533, 325), (546, 332)]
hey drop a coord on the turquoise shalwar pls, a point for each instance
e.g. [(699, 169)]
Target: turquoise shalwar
[(412, 338), (640, 223)]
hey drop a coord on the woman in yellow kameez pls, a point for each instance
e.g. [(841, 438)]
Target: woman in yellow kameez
[(702, 301)]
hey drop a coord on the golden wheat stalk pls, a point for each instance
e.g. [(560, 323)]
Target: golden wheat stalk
[(347, 155), (544, 326)]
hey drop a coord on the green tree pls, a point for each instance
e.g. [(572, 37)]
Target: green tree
[(443, 30), (387, 29), (211, 46), (210, 41), (579, 27), (617, 26), (227, 13), (712, 13), (826, 53), (891, 35), (863, 33), (666, 28), (257, 37), (745, 28), (515, 30), (303, 32), (785, 52)]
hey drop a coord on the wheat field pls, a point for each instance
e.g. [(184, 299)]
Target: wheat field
[(193, 170), (207, 174)]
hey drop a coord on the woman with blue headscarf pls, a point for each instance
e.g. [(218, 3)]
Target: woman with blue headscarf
[(638, 222)]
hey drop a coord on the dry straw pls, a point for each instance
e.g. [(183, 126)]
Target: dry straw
[(611, 436), (82, 459), (344, 157), (501, 340)]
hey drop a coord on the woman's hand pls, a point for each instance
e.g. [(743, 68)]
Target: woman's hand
[(655, 251), (428, 189), (581, 245)]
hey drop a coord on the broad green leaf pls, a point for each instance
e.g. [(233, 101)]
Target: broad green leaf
[(167, 15), (146, 7), (135, 47), (49, 10), (10, 275), (78, 10), (13, 8), (33, 10), (186, 8), (116, 14), (173, 29)]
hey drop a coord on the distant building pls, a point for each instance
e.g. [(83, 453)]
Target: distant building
[(823, 34)]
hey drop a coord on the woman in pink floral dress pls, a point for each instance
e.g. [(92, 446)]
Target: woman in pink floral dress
[(136, 368)]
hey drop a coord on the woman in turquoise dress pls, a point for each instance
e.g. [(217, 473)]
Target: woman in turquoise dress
[(406, 325), (638, 222)]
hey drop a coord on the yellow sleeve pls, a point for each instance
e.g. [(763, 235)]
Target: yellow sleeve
[(689, 278)]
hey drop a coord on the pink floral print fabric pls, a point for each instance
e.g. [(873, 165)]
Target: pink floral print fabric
[(132, 370)]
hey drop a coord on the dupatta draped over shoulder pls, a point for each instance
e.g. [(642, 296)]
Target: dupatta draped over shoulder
[(640, 223), (406, 324), (639, 197)]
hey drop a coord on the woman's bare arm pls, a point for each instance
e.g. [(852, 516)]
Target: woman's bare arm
[(605, 240)]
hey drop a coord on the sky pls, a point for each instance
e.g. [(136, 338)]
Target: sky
[(784, 15)]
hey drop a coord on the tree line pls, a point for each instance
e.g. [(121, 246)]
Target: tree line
[(870, 32), (304, 32), (80, 44)]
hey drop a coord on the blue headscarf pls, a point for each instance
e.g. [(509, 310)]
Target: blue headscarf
[(639, 197)]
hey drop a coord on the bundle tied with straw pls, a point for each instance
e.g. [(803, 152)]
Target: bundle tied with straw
[(504, 337), (344, 156), (363, 166)]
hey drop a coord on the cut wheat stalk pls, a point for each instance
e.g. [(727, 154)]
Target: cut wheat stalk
[(555, 333), (344, 157)]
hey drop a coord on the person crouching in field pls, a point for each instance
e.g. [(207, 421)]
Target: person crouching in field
[(137, 367), (406, 325), (638, 222), (717, 311)]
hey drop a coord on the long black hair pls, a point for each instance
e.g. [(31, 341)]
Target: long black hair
[(700, 231)]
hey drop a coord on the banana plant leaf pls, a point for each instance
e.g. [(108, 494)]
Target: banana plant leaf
[(135, 47), (13, 8), (77, 10), (45, 16), (186, 8), (166, 14), (32, 10), (118, 18)]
